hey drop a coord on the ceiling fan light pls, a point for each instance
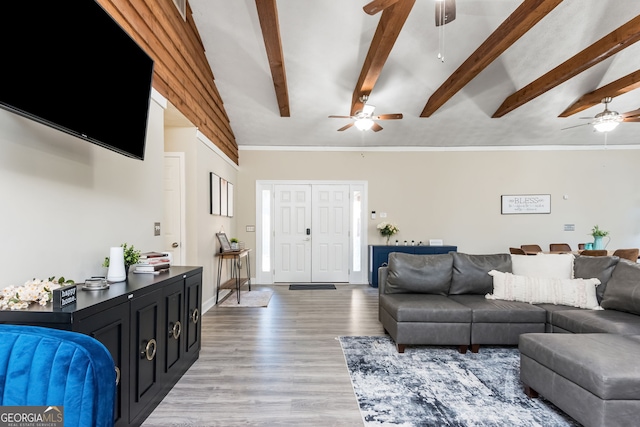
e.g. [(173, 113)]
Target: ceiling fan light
[(606, 126), (364, 124)]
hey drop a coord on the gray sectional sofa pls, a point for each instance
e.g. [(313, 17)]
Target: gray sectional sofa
[(583, 360)]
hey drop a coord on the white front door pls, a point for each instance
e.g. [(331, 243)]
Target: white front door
[(311, 233), (292, 233), (330, 233), (174, 207)]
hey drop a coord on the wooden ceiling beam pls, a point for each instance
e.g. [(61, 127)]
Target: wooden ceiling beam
[(528, 14), (391, 22), (609, 45), (619, 87), (377, 5), (268, 15)]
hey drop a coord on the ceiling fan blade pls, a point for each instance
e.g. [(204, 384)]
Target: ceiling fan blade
[(339, 117), (576, 126), (631, 119), (631, 114), (445, 11), (377, 5), (376, 127), (345, 127), (388, 116)]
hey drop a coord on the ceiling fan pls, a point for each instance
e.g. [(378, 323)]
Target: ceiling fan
[(445, 9), (608, 120), (364, 119)]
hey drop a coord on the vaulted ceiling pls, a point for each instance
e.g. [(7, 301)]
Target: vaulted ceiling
[(510, 69)]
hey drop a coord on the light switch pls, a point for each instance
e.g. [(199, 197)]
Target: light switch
[(156, 228)]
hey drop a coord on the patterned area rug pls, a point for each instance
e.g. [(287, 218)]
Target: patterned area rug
[(437, 386), (247, 298)]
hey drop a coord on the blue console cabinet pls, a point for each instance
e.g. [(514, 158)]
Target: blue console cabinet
[(379, 254)]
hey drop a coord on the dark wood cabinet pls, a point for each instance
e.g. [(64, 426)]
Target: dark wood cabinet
[(146, 340), (151, 326), (111, 327)]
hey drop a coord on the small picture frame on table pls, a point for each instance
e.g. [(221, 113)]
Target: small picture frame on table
[(225, 246)]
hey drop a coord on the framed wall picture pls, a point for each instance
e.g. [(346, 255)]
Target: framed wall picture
[(225, 246), (223, 197), (229, 199), (526, 204), (214, 190)]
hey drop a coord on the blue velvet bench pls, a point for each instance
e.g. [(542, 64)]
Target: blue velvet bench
[(48, 367)]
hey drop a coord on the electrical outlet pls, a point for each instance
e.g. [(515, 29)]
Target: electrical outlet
[(383, 214), (156, 228)]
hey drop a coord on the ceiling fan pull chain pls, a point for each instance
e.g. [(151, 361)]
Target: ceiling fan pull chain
[(441, 32)]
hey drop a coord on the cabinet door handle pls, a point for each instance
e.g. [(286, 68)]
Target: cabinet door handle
[(174, 331), (195, 315), (149, 349), (117, 375)]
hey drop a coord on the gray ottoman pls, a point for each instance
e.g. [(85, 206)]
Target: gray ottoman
[(594, 378)]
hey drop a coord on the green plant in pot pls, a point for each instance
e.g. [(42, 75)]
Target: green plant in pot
[(234, 243), (131, 257), (598, 235)]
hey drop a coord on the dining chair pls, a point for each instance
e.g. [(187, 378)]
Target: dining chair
[(531, 249), (559, 247), (630, 254), (517, 251), (595, 252), (581, 246)]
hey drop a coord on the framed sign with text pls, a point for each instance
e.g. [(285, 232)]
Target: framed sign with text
[(526, 204)]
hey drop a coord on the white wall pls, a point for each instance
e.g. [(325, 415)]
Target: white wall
[(455, 196), (201, 158), (65, 201)]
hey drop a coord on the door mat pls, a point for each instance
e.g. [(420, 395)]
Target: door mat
[(311, 286)]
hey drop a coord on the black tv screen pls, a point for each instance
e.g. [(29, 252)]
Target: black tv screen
[(69, 65)]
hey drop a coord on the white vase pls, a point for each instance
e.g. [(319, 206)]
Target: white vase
[(116, 271)]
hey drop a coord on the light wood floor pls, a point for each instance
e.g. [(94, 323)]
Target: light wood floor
[(276, 366)]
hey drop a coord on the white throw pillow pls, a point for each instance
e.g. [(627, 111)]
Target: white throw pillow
[(558, 266), (538, 290)]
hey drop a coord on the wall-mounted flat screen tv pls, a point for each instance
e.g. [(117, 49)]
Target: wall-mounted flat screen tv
[(69, 65)]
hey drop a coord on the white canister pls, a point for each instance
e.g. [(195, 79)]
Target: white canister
[(116, 271)]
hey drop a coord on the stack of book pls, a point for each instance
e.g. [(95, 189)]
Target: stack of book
[(153, 263)]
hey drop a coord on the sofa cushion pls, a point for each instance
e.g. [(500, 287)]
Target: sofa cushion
[(543, 265), (422, 274), (536, 290), (596, 321), (470, 272), (500, 311), (600, 267), (424, 308), (623, 289)]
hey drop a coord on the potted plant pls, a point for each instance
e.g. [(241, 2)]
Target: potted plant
[(234, 243), (597, 235), (131, 257)]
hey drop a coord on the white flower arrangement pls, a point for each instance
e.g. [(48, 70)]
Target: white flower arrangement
[(387, 229), (36, 290)]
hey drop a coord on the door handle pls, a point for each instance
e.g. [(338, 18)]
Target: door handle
[(308, 231), (175, 245)]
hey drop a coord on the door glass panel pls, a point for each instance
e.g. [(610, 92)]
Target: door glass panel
[(266, 231), (356, 228)]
